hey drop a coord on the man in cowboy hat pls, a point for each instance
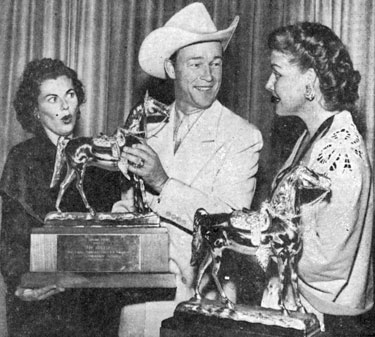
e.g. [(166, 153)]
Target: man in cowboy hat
[(205, 156)]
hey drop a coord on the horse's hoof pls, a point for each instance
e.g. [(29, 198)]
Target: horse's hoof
[(229, 304)]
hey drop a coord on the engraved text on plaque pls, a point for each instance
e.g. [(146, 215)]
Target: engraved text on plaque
[(99, 253)]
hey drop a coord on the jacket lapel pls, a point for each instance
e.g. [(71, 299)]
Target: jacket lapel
[(198, 146), (293, 154), (290, 159), (160, 138), (196, 149)]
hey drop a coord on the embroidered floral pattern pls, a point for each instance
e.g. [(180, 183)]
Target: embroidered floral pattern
[(338, 152)]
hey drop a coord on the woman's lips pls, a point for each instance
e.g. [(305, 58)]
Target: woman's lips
[(67, 119)]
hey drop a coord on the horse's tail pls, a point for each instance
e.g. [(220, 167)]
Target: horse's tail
[(197, 242), (60, 160)]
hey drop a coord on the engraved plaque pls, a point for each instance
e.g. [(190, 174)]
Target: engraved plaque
[(99, 249), (99, 253)]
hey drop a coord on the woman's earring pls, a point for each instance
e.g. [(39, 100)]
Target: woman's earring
[(309, 93), (36, 115)]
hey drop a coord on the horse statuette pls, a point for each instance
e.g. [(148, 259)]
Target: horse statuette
[(272, 231), (105, 152)]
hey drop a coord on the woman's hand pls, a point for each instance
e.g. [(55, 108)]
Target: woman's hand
[(38, 294), (146, 163)]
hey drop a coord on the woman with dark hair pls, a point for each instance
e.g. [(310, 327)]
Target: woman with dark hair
[(26, 100), (47, 104), (313, 78)]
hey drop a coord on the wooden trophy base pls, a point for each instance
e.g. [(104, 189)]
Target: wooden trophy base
[(80, 244), (207, 318)]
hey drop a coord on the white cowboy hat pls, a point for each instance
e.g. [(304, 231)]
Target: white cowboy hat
[(190, 25)]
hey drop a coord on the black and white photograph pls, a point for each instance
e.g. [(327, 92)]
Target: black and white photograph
[(187, 168)]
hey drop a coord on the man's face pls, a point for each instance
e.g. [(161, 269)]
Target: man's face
[(197, 75)]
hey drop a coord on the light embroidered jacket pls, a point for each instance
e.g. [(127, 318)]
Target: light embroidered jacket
[(214, 168), (335, 269)]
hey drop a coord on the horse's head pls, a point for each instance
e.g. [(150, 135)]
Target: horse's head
[(308, 179), (152, 107), (138, 116), (303, 186)]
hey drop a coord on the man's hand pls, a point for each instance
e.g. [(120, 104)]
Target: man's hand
[(146, 164), (39, 294)]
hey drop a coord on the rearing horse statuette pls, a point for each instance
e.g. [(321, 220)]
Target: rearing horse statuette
[(105, 152)]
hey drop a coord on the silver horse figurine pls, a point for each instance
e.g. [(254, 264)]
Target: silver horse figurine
[(105, 152), (272, 231)]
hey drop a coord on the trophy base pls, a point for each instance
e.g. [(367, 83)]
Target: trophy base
[(107, 243), (212, 318)]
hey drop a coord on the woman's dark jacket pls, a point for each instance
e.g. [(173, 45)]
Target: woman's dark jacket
[(26, 200)]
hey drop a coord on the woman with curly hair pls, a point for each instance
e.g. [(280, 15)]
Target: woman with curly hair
[(313, 78), (47, 104)]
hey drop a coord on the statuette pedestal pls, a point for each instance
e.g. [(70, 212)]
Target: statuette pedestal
[(207, 318)]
